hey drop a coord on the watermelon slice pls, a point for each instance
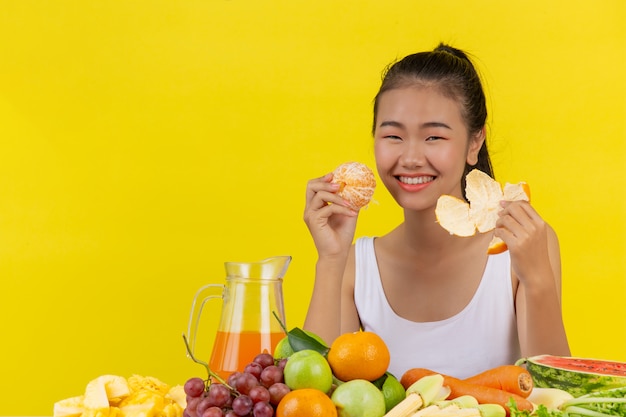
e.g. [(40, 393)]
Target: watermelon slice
[(578, 376)]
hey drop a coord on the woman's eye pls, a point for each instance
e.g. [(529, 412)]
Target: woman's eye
[(393, 137), (433, 138)]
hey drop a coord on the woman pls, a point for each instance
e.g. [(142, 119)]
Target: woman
[(438, 300)]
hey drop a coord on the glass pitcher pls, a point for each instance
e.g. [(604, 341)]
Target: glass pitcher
[(252, 304)]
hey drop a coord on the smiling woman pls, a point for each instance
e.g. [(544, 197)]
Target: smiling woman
[(418, 282), (145, 143)]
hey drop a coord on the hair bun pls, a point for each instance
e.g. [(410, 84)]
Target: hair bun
[(442, 47)]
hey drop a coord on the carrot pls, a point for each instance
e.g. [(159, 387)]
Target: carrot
[(459, 387), (511, 378)]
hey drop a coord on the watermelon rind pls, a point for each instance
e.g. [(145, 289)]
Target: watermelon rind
[(576, 382)]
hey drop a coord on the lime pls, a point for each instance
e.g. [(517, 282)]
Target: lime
[(393, 391), (283, 349)]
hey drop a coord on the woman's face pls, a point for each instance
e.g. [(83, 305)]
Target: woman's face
[(422, 145)]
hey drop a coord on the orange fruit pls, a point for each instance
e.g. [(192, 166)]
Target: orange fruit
[(357, 183), (306, 402), (484, 195), (358, 355)]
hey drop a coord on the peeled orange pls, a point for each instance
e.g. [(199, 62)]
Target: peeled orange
[(357, 183), (480, 215)]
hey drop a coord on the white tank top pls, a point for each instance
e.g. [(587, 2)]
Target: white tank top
[(483, 335)]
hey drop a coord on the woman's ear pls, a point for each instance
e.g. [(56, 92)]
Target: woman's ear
[(475, 143)]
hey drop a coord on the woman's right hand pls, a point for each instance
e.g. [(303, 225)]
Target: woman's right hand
[(331, 221)]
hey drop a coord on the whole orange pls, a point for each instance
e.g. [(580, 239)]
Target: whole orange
[(358, 355), (306, 402)]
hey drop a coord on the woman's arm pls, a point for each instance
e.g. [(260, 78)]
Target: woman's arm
[(536, 264), (332, 224), (324, 315), (540, 320)]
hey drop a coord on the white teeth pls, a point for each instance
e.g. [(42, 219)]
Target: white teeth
[(416, 180)]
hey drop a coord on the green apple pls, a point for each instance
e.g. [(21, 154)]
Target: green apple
[(308, 369), (284, 350), (358, 398)]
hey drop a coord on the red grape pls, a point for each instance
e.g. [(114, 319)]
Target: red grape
[(245, 382), (254, 369), (194, 387), (218, 395), (271, 375), (277, 392), (262, 409), (203, 405), (213, 412), (232, 379), (264, 359), (282, 363), (259, 394), (192, 404), (242, 405)]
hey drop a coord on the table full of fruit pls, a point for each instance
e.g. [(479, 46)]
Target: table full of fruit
[(305, 378)]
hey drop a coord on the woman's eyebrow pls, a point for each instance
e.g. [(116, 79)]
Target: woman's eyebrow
[(393, 123), (436, 124)]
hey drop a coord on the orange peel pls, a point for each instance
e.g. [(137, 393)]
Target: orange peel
[(481, 213)]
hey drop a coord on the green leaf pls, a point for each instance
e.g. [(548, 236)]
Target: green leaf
[(299, 340)]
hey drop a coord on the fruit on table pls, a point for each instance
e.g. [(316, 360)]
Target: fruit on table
[(578, 376), (484, 195), (255, 391), (358, 398), (358, 355), (357, 183), (393, 391), (308, 369), (306, 402), (284, 349), (116, 395), (419, 395)]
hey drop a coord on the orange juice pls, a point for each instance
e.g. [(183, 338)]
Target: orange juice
[(233, 351)]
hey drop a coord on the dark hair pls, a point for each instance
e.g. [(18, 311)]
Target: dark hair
[(452, 72)]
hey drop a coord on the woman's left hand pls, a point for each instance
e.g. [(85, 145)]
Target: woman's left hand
[(526, 235)]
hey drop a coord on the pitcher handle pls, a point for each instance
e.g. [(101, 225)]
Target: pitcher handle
[(194, 318)]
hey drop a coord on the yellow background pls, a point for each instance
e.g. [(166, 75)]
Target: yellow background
[(144, 143)]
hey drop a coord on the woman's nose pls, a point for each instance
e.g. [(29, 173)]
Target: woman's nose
[(413, 154)]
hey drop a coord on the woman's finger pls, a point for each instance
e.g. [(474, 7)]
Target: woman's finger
[(321, 192)]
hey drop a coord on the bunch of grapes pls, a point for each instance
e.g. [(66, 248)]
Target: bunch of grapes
[(255, 392)]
